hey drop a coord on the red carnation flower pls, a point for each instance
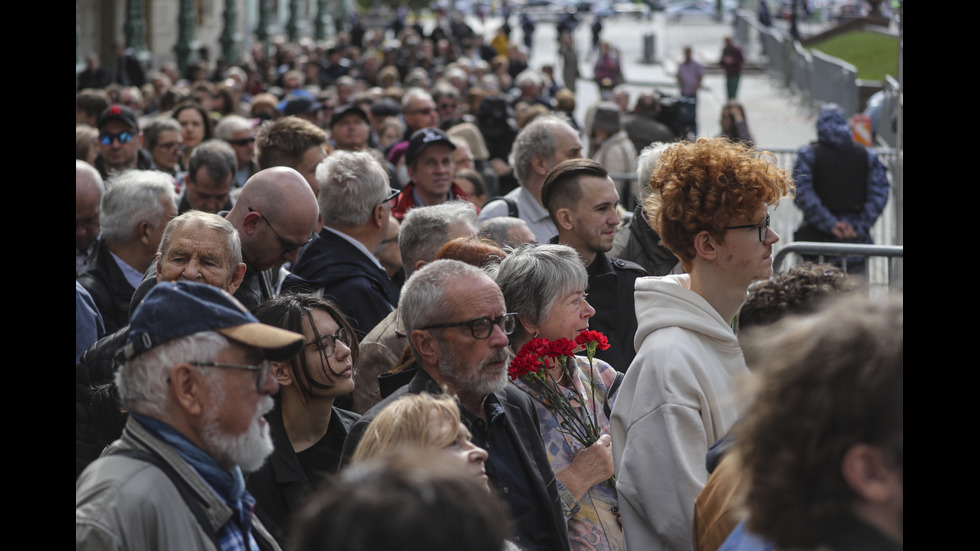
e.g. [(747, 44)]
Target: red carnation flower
[(587, 337), (561, 347)]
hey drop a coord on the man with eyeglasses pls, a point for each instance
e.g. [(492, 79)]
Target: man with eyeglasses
[(195, 379), (355, 205), (455, 318), (120, 142), (709, 203), (240, 134), (275, 216), (419, 110)]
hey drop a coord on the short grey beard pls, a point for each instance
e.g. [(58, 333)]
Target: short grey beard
[(448, 368)]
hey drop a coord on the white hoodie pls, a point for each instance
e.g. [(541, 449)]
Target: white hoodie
[(676, 400)]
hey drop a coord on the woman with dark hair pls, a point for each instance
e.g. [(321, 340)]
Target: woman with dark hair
[(733, 123), (308, 431), (196, 126)]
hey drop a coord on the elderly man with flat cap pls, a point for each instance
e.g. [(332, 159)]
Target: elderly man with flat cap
[(196, 381)]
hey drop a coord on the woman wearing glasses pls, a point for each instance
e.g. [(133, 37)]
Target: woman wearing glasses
[(545, 285), (308, 431)]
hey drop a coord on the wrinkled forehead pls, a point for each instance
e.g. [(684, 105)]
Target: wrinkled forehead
[(198, 238), (472, 297)]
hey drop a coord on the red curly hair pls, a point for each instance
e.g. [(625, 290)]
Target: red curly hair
[(707, 185)]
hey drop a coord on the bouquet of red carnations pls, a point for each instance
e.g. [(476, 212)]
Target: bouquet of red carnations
[(532, 365)]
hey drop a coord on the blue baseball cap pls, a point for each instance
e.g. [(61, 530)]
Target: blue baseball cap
[(176, 309)]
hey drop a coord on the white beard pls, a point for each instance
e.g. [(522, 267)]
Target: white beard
[(248, 450)]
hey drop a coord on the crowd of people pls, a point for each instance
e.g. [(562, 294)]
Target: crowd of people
[(305, 283)]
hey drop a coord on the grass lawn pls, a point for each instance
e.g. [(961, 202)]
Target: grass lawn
[(874, 54)]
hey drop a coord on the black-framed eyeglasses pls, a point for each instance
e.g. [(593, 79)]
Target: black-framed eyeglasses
[(763, 228), (171, 146), (482, 328), (262, 370), (243, 141), (124, 137), (287, 246), (327, 344), (390, 199)]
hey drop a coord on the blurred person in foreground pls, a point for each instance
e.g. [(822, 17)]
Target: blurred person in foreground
[(822, 447), (803, 289), (411, 500)]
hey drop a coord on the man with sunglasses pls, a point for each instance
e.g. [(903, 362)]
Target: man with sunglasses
[(457, 326), (195, 379), (709, 204), (120, 142), (240, 134)]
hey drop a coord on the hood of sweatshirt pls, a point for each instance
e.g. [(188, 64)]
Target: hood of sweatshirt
[(669, 302)]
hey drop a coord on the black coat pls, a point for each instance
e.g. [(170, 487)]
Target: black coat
[(354, 282), (109, 288), (611, 294), (281, 486)]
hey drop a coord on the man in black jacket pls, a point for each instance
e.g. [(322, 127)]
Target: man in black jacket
[(355, 207), (581, 199), (457, 325), (135, 211)]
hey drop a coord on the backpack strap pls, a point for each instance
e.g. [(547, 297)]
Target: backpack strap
[(511, 206), (612, 389)]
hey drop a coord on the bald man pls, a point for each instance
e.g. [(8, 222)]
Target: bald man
[(275, 215)]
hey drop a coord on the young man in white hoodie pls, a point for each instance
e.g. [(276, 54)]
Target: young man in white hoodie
[(709, 203)]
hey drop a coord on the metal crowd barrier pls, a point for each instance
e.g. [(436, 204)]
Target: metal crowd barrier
[(844, 250)]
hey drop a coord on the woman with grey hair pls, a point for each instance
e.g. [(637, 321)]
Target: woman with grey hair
[(545, 285)]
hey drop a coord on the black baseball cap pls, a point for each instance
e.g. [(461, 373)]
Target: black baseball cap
[(118, 113), (424, 138), (345, 110)]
